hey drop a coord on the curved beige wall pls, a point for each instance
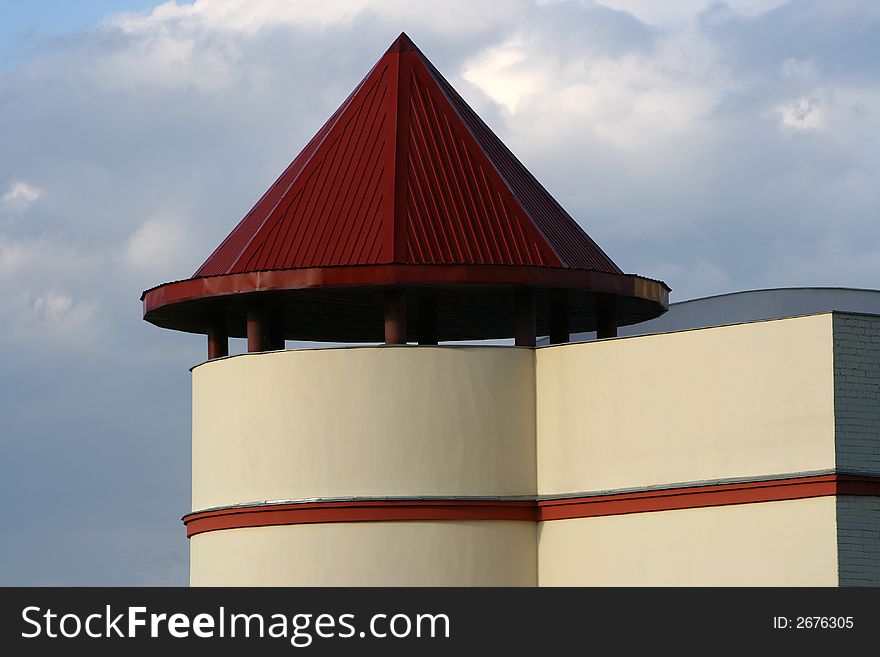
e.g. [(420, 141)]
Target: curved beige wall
[(791, 543), (370, 421), (747, 401), (448, 553), (734, 401)]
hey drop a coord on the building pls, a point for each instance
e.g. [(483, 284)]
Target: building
[(740, 454)]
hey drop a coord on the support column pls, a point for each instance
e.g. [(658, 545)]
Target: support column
[(427, 317), (218, 340), (606, 316), (525, 318), (559, 329), (395, 316), (256, 329)]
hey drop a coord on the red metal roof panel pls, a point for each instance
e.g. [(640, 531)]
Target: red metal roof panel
[(574, 247), (405, 172), (285, 216), (456, 209)]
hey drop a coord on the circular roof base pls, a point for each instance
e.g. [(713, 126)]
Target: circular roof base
[(470, 304)]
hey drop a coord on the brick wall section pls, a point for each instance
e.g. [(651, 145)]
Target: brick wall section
[(857, 443), (857, 392), (858, 540)]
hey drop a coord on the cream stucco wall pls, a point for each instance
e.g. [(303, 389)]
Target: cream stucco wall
[(734, 401), (790, 543), (448, 553), (742, 401), (382, 421)]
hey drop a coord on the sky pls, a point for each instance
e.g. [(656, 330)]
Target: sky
[(717, 146)]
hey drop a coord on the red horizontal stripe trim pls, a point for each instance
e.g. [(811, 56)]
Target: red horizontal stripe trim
[(358, 511), (702, 496), (669, 499), (391, 274)]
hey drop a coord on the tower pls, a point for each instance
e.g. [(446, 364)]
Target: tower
[(404, 220)]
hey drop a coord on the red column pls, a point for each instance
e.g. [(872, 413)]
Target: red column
[(256, 329), (525, 318), (395, 317), (218, 341)]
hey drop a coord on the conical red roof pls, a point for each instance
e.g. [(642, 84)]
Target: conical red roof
[(404, 188), (405, 172)]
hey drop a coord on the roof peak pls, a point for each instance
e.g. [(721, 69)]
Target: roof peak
[(402, 44)]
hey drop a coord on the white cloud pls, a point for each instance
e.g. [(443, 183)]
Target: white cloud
[(33, 307), (506, 73), (659, 13), (250, 16), (158, 244), (208, 45), (670, 12), (801, 114), (630, 97), (56, 315), (166, 61), (19, 197), (245, 16), (56, 309), (34, 259)]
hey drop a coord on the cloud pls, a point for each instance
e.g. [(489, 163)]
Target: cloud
[(503, 73), (33, 259), (682, 11), (801, 113), (56, 310), (46, 321), (248, 17), (798, 69), (156, 245), (19, 197)]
